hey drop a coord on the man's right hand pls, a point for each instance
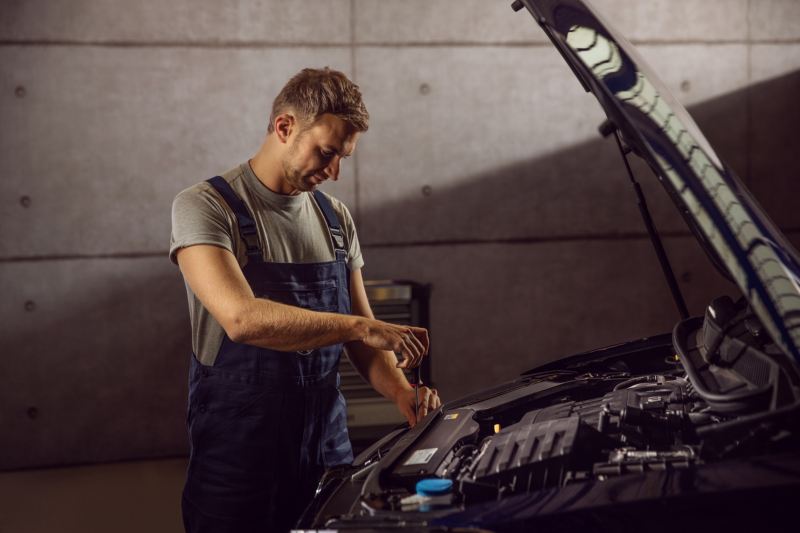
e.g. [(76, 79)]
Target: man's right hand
[(411, 343)]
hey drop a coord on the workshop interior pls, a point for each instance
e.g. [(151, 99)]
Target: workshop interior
[(504, 198)]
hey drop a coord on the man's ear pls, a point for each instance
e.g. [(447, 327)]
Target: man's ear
[(285, 123)]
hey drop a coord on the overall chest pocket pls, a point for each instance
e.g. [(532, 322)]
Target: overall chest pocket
[(320, 295)]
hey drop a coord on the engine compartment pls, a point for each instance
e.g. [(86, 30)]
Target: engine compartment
[(625, 411), (634, 424)]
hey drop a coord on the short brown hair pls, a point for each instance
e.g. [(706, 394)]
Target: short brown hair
[(313, 92)]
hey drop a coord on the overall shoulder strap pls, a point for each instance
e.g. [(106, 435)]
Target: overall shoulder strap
[(331, 219), (247, 225)]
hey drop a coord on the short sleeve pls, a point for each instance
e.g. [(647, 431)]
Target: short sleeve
[(198, 218), (355, 260)]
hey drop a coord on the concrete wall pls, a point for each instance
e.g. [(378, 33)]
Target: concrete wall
[(482, 173)]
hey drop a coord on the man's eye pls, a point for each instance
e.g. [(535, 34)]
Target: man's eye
[(326, 155)]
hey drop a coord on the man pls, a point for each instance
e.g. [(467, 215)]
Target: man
[(273, 274)]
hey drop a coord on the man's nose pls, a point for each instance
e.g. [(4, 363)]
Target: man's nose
[(332, 170)]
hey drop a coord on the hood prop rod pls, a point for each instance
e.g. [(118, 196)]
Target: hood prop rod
[(666, 268)]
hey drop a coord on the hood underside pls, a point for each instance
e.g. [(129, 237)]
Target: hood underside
[(719, 210)]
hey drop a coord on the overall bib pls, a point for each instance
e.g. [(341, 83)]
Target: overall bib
[(264, 424)]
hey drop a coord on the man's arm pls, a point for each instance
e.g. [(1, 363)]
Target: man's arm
[(379, 366), (214, 276)]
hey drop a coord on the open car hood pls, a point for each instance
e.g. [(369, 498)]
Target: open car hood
[(696, 430), (730, 226)]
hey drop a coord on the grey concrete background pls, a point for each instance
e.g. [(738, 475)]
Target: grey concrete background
[(482, 173)]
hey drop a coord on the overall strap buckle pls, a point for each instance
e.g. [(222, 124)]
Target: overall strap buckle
[(334, 227), (249, 235), (338, 238)]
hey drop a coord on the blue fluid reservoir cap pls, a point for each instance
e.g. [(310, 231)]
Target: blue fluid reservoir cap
[(434, 486)]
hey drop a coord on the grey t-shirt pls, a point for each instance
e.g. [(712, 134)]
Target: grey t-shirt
[(291, 229)]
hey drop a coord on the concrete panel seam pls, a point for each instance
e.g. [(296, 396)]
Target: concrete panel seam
[(399, 244), (748, 108), (633, 236), (175, 44), (74, 257), (528, 240), (354, 70), (410, 44), (538, 44)]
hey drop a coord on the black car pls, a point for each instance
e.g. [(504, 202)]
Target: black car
[(697, 429)]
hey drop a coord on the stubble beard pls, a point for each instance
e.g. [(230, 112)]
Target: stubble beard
[(293, 175)]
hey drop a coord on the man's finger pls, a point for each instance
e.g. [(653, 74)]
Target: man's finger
[(401, 360), (431, 400), (418, 343), (421, 334), (404, 350), (412, 351), (436, 402)]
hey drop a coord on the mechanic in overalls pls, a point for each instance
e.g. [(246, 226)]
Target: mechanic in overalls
[(273, 274)]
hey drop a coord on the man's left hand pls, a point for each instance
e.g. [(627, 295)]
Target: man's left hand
[(428, 401)]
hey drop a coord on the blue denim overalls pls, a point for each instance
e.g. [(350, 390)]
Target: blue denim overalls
[(264, 424)]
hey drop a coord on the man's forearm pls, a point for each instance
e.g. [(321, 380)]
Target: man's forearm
[(287, 328), (379, 368)]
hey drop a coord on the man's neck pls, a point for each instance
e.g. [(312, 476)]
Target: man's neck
[(268, 169)]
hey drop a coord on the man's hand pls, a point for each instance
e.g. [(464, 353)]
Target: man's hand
[(406, 403), (408, 341), (372, 355)]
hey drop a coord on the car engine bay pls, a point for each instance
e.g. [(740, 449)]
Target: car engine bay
[(695, 430), (717, 390)]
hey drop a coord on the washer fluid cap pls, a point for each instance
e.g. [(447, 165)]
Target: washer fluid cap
[(434, 486)]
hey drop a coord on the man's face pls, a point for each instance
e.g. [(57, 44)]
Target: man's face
[(315, 153)]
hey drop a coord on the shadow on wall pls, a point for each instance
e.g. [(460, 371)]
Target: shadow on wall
[(562, 266), (583, 190), (545, 258)]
